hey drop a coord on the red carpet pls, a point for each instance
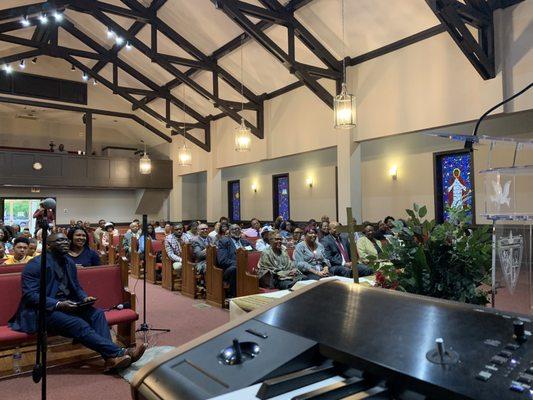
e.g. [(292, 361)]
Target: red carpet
[(165, 310)]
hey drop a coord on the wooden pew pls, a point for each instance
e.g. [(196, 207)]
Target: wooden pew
[(167, 272), (108, 283), (247, 279), (214, 282), (152, 248), (135, 259), (189, 277)]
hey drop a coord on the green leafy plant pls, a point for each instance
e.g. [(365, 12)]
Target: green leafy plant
[(449, 260)]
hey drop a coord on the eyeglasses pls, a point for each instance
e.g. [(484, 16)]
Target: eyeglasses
[(204, 229)]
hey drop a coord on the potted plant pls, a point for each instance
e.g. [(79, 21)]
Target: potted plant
[(450, 260)]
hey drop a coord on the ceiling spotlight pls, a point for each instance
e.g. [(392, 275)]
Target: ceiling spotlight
[(22, 64), (8, 68), (85, 77), (34, 60), (95, 82), (25, 22), (110, 33), (128, 46), (43, 18), (119, 40), (72, 67), (58, 16)]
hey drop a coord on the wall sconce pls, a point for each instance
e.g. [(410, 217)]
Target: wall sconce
[(393, 172), (309, 182), (254, 187)]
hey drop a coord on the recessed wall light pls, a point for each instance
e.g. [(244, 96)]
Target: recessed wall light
[(37, 166)]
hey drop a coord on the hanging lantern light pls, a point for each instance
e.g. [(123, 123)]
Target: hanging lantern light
[(344, 109), (184, 156), (243, 134), (243, 138), (145, 164), (344, 112)]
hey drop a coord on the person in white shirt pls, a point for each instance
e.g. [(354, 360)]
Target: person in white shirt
[(263, 243)]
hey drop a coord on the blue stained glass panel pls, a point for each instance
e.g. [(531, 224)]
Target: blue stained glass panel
[(235, 190), (456, 182), (283, 197)]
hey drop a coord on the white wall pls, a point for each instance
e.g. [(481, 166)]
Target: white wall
[(92, 205), (194, 199), (305, 202)]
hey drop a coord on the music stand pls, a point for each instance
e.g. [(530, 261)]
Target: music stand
[(145, 328)]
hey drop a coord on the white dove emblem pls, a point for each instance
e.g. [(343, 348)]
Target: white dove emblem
[(501, 196)]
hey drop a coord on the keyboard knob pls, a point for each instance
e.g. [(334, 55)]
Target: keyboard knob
[(519, 330)]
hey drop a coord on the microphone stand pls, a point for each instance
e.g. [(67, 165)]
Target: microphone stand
[(145, 328), (39, 369)]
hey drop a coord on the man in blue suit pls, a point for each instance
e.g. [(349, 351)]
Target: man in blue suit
[(87, 325), (227, 256), (337, 251)]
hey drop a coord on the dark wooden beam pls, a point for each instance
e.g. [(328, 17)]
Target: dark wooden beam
[(230, 8), (480, 54)]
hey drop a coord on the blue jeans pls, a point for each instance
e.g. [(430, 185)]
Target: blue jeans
[(87, 326)]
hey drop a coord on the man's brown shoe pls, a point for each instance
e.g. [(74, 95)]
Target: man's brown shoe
[(136, 353), (113, 365)]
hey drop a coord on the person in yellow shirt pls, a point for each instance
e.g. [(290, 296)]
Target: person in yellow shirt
[(20, 252), (367, 246), (33, 248)]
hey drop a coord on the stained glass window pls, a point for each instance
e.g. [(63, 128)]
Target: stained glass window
[(234, 191), (282, 203), (455, 185)]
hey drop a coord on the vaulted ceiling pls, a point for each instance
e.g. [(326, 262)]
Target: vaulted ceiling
[(179, 64)]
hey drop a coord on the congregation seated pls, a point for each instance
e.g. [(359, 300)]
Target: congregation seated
[(338, 252), (199, 247), (34, 248), (19, 252), (173, 246), (4, 239), (99, 231), (79, 251), (219, 232), (368, 247), (150, 231), (254, 230), (384, 229), (192, 233), (286, 229), (106, 235), (309, 256), (324, 230), (295, 239), (132, 232), (86, 325), (276, 270), (227, 257), (264, 243)]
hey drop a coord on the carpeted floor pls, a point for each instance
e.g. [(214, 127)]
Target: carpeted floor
[(186, 318)]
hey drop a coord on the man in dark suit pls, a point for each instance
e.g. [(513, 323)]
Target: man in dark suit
[(227, 256), (87, 325), (337, 251), (199, 247)]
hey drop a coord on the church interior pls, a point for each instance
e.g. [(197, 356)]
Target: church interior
[(266, 199)]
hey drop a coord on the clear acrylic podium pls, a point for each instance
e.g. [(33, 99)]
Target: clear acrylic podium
[(508, 204)]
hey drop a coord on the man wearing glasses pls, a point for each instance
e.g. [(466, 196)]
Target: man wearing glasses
[(87, 325), (199, 247), (227, 256)]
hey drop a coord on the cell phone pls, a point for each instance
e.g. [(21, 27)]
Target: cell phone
[(85, 303)]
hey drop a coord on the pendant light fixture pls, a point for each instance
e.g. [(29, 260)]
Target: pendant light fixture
[(184, 153), (145, 164), (243, 134), (344, 111)]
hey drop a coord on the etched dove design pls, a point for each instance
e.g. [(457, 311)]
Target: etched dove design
[(501, 196)]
